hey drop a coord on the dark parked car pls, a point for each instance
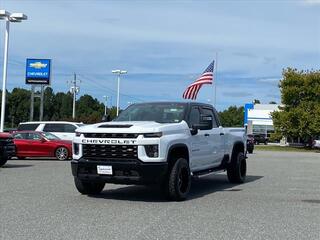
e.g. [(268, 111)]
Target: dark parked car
[(250, 143), (7, 148), (260, 138)]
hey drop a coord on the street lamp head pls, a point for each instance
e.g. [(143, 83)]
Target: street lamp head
[(4, 14), (119, 71), (17, 17)]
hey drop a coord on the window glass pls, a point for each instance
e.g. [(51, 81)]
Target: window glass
[(28, 126), (208, 111), (34, 136), (50, 136), (194, 116), (53, 127), (158, 112), (69, 128), (20, 136)]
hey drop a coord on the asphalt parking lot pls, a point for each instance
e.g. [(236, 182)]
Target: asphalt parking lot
[(281, 200)]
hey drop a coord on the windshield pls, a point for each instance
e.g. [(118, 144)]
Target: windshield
[(158, 112), (50, 136)]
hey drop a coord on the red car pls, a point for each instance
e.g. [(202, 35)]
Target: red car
[(41, 144)]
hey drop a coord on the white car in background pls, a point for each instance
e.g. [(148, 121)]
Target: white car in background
[(316, 144), (63, 130)]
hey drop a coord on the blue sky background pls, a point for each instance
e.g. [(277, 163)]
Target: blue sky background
[(165, 45)]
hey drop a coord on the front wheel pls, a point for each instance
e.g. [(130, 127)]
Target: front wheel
[(88, 187), (237, 169), (3, 161), (62, 153), (179, 180)]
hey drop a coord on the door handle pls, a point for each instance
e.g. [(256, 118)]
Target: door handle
[(221, 134), (206, 134)]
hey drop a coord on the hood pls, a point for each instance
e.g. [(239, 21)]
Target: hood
[(132, 127)]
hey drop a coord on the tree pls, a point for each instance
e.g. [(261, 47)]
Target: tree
[(272, 102), (232, 117), (256, 101), (300, 115)]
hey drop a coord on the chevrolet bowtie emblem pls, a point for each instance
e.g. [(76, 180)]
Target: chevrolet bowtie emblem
[(38, 65)]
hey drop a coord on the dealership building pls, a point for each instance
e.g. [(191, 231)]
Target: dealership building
[(257, 118)]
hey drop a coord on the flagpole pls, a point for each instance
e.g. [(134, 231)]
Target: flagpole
[(215, 79)]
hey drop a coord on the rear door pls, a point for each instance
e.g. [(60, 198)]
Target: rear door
[(215, 138)]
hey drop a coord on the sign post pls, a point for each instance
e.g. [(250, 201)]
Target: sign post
[(38, 72)]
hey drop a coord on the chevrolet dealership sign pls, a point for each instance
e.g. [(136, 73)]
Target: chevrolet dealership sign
[(38, 71)]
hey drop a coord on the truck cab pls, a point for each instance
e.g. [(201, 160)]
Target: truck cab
[(163, 143)]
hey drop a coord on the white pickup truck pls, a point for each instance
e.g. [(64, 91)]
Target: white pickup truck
[(163, 143)]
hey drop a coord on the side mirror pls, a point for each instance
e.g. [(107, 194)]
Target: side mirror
[(43, 140), (194, 130)]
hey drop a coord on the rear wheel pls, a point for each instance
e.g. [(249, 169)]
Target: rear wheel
[(179, 180), (237, 169), (62, 153), (88, 187)]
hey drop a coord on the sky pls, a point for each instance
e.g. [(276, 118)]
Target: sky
[(165, 45)]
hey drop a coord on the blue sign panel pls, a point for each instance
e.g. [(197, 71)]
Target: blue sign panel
[(38, 71), (247, 106)]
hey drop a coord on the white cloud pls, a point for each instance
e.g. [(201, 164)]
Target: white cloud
[(312, 2)]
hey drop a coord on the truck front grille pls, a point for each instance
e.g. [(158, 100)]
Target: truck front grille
[(109, 152)]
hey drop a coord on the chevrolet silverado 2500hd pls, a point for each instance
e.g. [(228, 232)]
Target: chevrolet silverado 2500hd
[(163, 143)]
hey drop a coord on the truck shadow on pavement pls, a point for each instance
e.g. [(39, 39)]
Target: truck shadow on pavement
[(10, 165), (199, 188)]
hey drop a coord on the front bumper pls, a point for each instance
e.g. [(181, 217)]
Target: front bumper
[(124, 171)]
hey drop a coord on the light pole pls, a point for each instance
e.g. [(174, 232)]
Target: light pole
[(105, 104), (8, 17), (118, 72)]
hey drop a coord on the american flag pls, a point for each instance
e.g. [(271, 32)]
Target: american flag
[(206, 78)]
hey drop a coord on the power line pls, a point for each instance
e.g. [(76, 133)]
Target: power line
[(90, 80)]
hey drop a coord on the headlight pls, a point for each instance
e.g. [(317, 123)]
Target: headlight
[(76, 148), (152, 150), (152, 135)]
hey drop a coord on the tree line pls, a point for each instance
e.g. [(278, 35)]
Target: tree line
[(299, 115), (58, 107)]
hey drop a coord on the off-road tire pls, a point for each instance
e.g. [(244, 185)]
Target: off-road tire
[(3, 161), (237, 169), (88, 187), (179, 180)]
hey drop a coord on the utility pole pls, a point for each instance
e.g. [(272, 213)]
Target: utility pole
[(74, 89), (105, 104)]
